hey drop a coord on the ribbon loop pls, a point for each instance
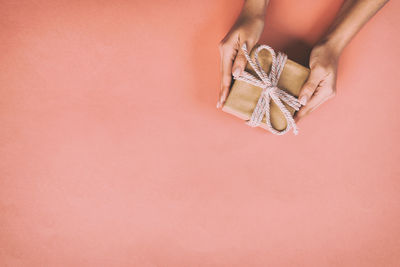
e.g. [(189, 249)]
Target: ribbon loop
[(269, 84)]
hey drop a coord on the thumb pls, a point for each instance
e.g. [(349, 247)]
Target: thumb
[(309, 87), (240, 61)]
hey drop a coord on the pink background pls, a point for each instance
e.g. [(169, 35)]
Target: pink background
[(112, 151)]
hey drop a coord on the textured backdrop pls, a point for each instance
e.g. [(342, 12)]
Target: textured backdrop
[(112, 151)]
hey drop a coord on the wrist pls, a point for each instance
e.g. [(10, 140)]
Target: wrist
[(334, 45), (254, 9)]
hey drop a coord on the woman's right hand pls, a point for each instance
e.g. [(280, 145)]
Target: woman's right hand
[(247, 29)]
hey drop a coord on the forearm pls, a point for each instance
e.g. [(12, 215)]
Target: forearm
[(255, 8), (352, 16)]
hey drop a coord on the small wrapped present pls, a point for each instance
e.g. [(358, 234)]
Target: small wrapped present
[(265, 94)]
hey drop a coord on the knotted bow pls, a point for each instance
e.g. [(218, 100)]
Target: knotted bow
[(269, 84)]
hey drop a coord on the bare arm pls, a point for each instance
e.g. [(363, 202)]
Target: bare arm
[(321, 84), (350, 19)]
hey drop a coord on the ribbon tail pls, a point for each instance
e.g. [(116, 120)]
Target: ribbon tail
[(289, 119), (258, 112)]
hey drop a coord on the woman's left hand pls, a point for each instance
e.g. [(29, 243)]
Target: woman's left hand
[(321, 83)]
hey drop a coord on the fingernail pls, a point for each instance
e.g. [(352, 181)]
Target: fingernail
[(218, 104), (303, 100), (236, 72)]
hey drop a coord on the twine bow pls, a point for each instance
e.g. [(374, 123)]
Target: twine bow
[(269, 84)]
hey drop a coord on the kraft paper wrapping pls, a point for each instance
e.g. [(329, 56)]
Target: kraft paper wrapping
[(243, 96)]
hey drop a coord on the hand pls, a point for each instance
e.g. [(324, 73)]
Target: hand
[(321, 84), (247, 29)]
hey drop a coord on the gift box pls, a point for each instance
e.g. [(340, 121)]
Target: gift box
[(244, 96)]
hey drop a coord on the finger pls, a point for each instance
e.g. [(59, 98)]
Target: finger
[(240, 61), (316, 100), (310, 86), (226, 73)]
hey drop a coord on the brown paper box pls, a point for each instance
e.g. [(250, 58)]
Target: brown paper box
[(243, 96)]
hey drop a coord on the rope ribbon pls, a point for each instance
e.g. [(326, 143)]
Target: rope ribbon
[(269, 84)]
